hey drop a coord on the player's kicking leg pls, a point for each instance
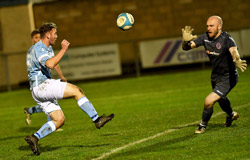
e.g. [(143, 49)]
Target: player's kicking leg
[(207, 112), (72, 91), (29, 111)]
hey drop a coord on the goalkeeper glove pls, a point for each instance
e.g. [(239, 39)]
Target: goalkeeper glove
[(241, 64), (187, 34)]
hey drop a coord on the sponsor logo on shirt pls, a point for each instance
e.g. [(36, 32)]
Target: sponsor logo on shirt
[(212, 53)]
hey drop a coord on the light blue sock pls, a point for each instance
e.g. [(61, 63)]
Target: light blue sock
[(45, 130), (87, 107), (35, 109)]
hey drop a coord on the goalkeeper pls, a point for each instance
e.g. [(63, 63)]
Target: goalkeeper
[(224, 57)]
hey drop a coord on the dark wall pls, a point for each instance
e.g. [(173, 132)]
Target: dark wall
[(87, 22)]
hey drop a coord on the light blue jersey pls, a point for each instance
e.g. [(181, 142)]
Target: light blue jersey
[(36, 58)]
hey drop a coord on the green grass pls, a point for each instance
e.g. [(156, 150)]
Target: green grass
[(143, 107)]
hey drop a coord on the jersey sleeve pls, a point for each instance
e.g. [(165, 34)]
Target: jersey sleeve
[(199, 41), (42, 56), (230, 42), (29, 56), (52, 52)]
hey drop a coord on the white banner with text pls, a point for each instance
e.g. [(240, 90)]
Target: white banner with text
[(90, 62)]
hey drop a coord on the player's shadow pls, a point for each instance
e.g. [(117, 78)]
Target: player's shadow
[(161, 146), (12, 137), (27, 129), (168, 144), (49, 148), (186, 126), (22, 130), (215, 126), (211, 126), (218, 126)]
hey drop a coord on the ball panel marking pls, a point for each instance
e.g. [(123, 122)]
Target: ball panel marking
[(125, 21)]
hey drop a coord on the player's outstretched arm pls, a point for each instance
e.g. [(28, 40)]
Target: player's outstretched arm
[(187, 38), (241, 64)]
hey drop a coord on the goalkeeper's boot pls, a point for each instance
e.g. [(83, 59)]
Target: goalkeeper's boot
[(33, 142), (230, 119), (201, 129), (27, 116), (101, 121)]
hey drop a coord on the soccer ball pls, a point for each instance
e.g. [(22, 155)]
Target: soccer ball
[(125, 21)]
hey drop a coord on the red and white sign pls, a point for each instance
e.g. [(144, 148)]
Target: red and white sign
[(168, 52)]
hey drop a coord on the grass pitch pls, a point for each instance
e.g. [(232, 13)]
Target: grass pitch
[(165, 106)]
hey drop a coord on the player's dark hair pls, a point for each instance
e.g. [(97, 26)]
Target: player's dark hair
[(46, 27), (34, 32)]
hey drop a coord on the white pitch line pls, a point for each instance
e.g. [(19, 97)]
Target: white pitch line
[(157, 135)]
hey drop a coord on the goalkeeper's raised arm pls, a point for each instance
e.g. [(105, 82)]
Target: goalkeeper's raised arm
[(188, 38)]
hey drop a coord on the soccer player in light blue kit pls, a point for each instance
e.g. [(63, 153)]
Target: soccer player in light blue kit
[(35, 37), (45, 90)]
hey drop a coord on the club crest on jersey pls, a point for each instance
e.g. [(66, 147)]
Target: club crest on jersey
[(218, 45)]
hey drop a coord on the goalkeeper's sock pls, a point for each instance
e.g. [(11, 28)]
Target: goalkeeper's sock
[(35, 109), (87, 107), (226, 106), (206, 115), (45, 130)]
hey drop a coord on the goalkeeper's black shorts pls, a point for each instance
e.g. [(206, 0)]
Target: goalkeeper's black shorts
[(223, 85)]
